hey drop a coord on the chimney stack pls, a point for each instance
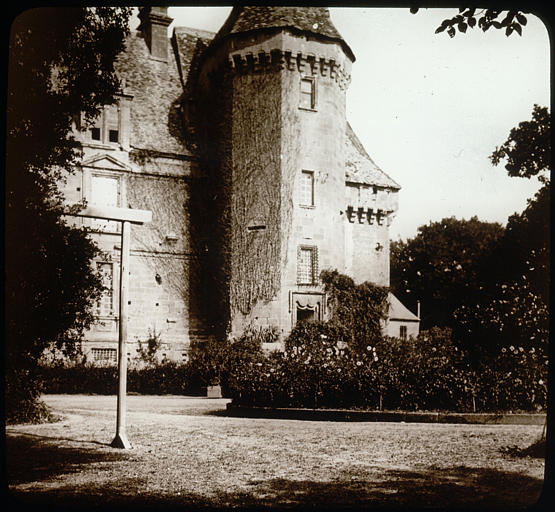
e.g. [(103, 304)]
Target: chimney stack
[(154, 25)]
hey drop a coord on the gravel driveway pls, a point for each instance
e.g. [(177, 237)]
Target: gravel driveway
[(187, 453)]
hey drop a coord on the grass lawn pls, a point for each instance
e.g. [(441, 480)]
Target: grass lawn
[(187, 454)]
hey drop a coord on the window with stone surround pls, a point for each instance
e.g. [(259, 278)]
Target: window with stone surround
[(307, 188), (307, 265), (308, 93), (106, 128), (105, 305), (105, 191)]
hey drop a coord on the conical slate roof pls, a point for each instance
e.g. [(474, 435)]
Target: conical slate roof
[(315, 20)]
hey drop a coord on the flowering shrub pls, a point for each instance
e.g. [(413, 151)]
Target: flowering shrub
[(514, 379), (318, 369), (513, 312)]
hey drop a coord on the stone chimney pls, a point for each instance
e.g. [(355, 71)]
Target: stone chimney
[(154, 25)]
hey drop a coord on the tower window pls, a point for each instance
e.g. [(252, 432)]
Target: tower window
[(307, 188), (307, 265), (308, 93)]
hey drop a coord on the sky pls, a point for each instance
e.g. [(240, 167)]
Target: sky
[(430, 109)]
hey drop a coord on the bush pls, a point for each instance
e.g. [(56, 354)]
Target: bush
[(318, 369), (22, 398), (208, 361), (78, 378)]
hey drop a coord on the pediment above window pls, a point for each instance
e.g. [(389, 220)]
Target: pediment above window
[(106, 161)]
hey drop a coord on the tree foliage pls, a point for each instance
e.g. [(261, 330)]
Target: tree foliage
[(525, 244), (442, 266), (527, 150), (470, 17), (60, 65), (514, 308)]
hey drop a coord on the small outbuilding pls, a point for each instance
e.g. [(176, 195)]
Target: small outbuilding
[(401, 322)]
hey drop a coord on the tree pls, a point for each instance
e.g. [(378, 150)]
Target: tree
[(524, 248), (511, 21), (527, 150), (61, 64), (442, 266), (514, 308)]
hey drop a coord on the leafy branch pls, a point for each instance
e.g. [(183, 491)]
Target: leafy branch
[(470, 17)]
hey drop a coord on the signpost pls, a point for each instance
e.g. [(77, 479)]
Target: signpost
[(126, 216)]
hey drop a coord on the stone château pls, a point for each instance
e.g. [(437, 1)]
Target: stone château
[(238, 143)]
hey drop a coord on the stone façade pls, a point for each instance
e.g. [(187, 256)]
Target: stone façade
[(238, 142)]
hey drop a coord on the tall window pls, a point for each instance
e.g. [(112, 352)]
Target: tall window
[(307, 265), (307, 188), (105, 129), (105, 191), (308, 93), (403, 332), (105, 306)]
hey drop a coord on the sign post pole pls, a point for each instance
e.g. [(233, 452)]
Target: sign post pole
[(121, 441), (127, 217)]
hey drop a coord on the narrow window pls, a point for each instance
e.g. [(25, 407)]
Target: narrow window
[(403, 332), (111, 113), (105, 306), (307, 265), (307, 188), (308, 93)]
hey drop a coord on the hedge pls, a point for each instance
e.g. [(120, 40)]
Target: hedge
[(318, 369)]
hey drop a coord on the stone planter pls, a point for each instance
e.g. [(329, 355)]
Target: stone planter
[(214, 392)]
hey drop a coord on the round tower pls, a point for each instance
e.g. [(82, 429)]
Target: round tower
[(271, 90)]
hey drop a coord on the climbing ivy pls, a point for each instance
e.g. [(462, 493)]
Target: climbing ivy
[(358, 310)]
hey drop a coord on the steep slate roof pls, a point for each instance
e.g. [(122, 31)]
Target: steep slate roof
[(189, 45), (397, 311), (315, 20), (157, 91), (360, 168)]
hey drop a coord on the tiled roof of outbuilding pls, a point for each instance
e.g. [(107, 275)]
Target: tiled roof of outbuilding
[(398, 311), (360, 168), (307, 19)]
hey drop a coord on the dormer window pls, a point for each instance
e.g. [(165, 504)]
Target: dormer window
[(111, 129), (106, 128)]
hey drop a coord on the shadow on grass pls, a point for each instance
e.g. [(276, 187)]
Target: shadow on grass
[(34, 459), (31, 458)]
